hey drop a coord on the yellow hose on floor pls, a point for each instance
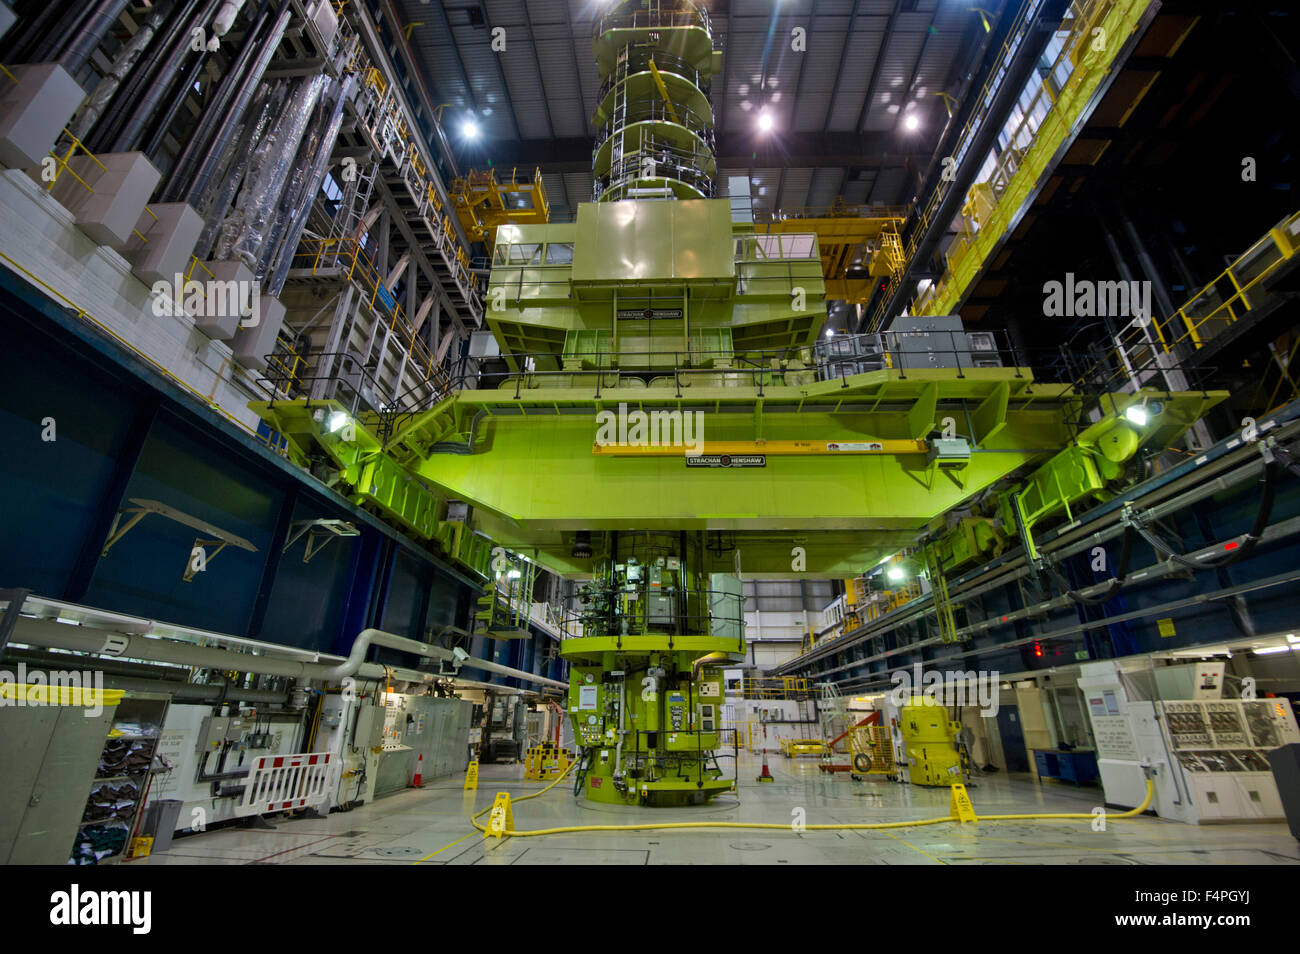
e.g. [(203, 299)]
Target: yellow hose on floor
[(771, 826)]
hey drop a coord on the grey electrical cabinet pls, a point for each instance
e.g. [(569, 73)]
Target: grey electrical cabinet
[(49, 753), (929, 341)]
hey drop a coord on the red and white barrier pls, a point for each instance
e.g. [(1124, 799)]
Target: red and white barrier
[(278, 783)]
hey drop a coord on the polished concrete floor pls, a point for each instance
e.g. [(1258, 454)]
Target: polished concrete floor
[(430, 826)]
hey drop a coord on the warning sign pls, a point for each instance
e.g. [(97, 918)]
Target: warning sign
[(960, 806)]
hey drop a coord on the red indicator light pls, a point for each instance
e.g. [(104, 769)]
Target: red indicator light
[(1038, 650), (1231, 545)]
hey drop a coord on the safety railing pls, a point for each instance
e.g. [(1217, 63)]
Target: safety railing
[(638, 61), (1015, 36), (381, 116), (346, 380), (1232, 294), (629, 112), (1068, 71), (837, 359), (657, 17), (775, 687), (1157, 346), (836, 210), (658, 159), (348, 259)]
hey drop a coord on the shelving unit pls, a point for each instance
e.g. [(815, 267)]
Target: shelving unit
[(121, 782)]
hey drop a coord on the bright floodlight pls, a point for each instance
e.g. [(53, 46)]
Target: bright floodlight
[(469, 129), (895, 573), (335, 421), (911, 122), (1136, 413), (765, 121)]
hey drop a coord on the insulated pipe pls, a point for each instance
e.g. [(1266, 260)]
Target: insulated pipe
[(473, 662), (288, 243), (214, 120), (137, 99), (211, 693), (83, 639), (229, 121), (123, 64), (93, 29), (181, 89), (54, 39), (18, 44), (377, 637), (225, 17), (297, 159), (215, 203)]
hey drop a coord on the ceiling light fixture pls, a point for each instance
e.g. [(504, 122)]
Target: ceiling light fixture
[(765, 121), (469, 129), (911, 122)]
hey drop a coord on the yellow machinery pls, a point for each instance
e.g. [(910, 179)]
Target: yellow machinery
[(930, 744), (483, 204), (796, 747), (545, 762), (858, 244)]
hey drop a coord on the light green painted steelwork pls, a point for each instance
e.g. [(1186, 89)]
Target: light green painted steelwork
[(671, 308)]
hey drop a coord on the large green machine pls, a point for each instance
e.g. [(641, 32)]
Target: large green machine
[(646, 693), (671, 415)]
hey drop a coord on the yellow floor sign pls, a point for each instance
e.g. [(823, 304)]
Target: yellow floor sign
[(471, 776), (502, 818), (960, 806)]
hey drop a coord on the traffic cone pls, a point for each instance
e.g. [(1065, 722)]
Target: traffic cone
[(766, 776), (418, 781)]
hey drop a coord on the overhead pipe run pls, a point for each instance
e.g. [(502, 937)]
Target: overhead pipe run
[(126, 61), (223, 117), (136, 97), (93, 30), (51, 634)]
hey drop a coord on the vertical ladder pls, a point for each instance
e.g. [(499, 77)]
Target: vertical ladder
[(356, 200), (939, 594), (829, 705)]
